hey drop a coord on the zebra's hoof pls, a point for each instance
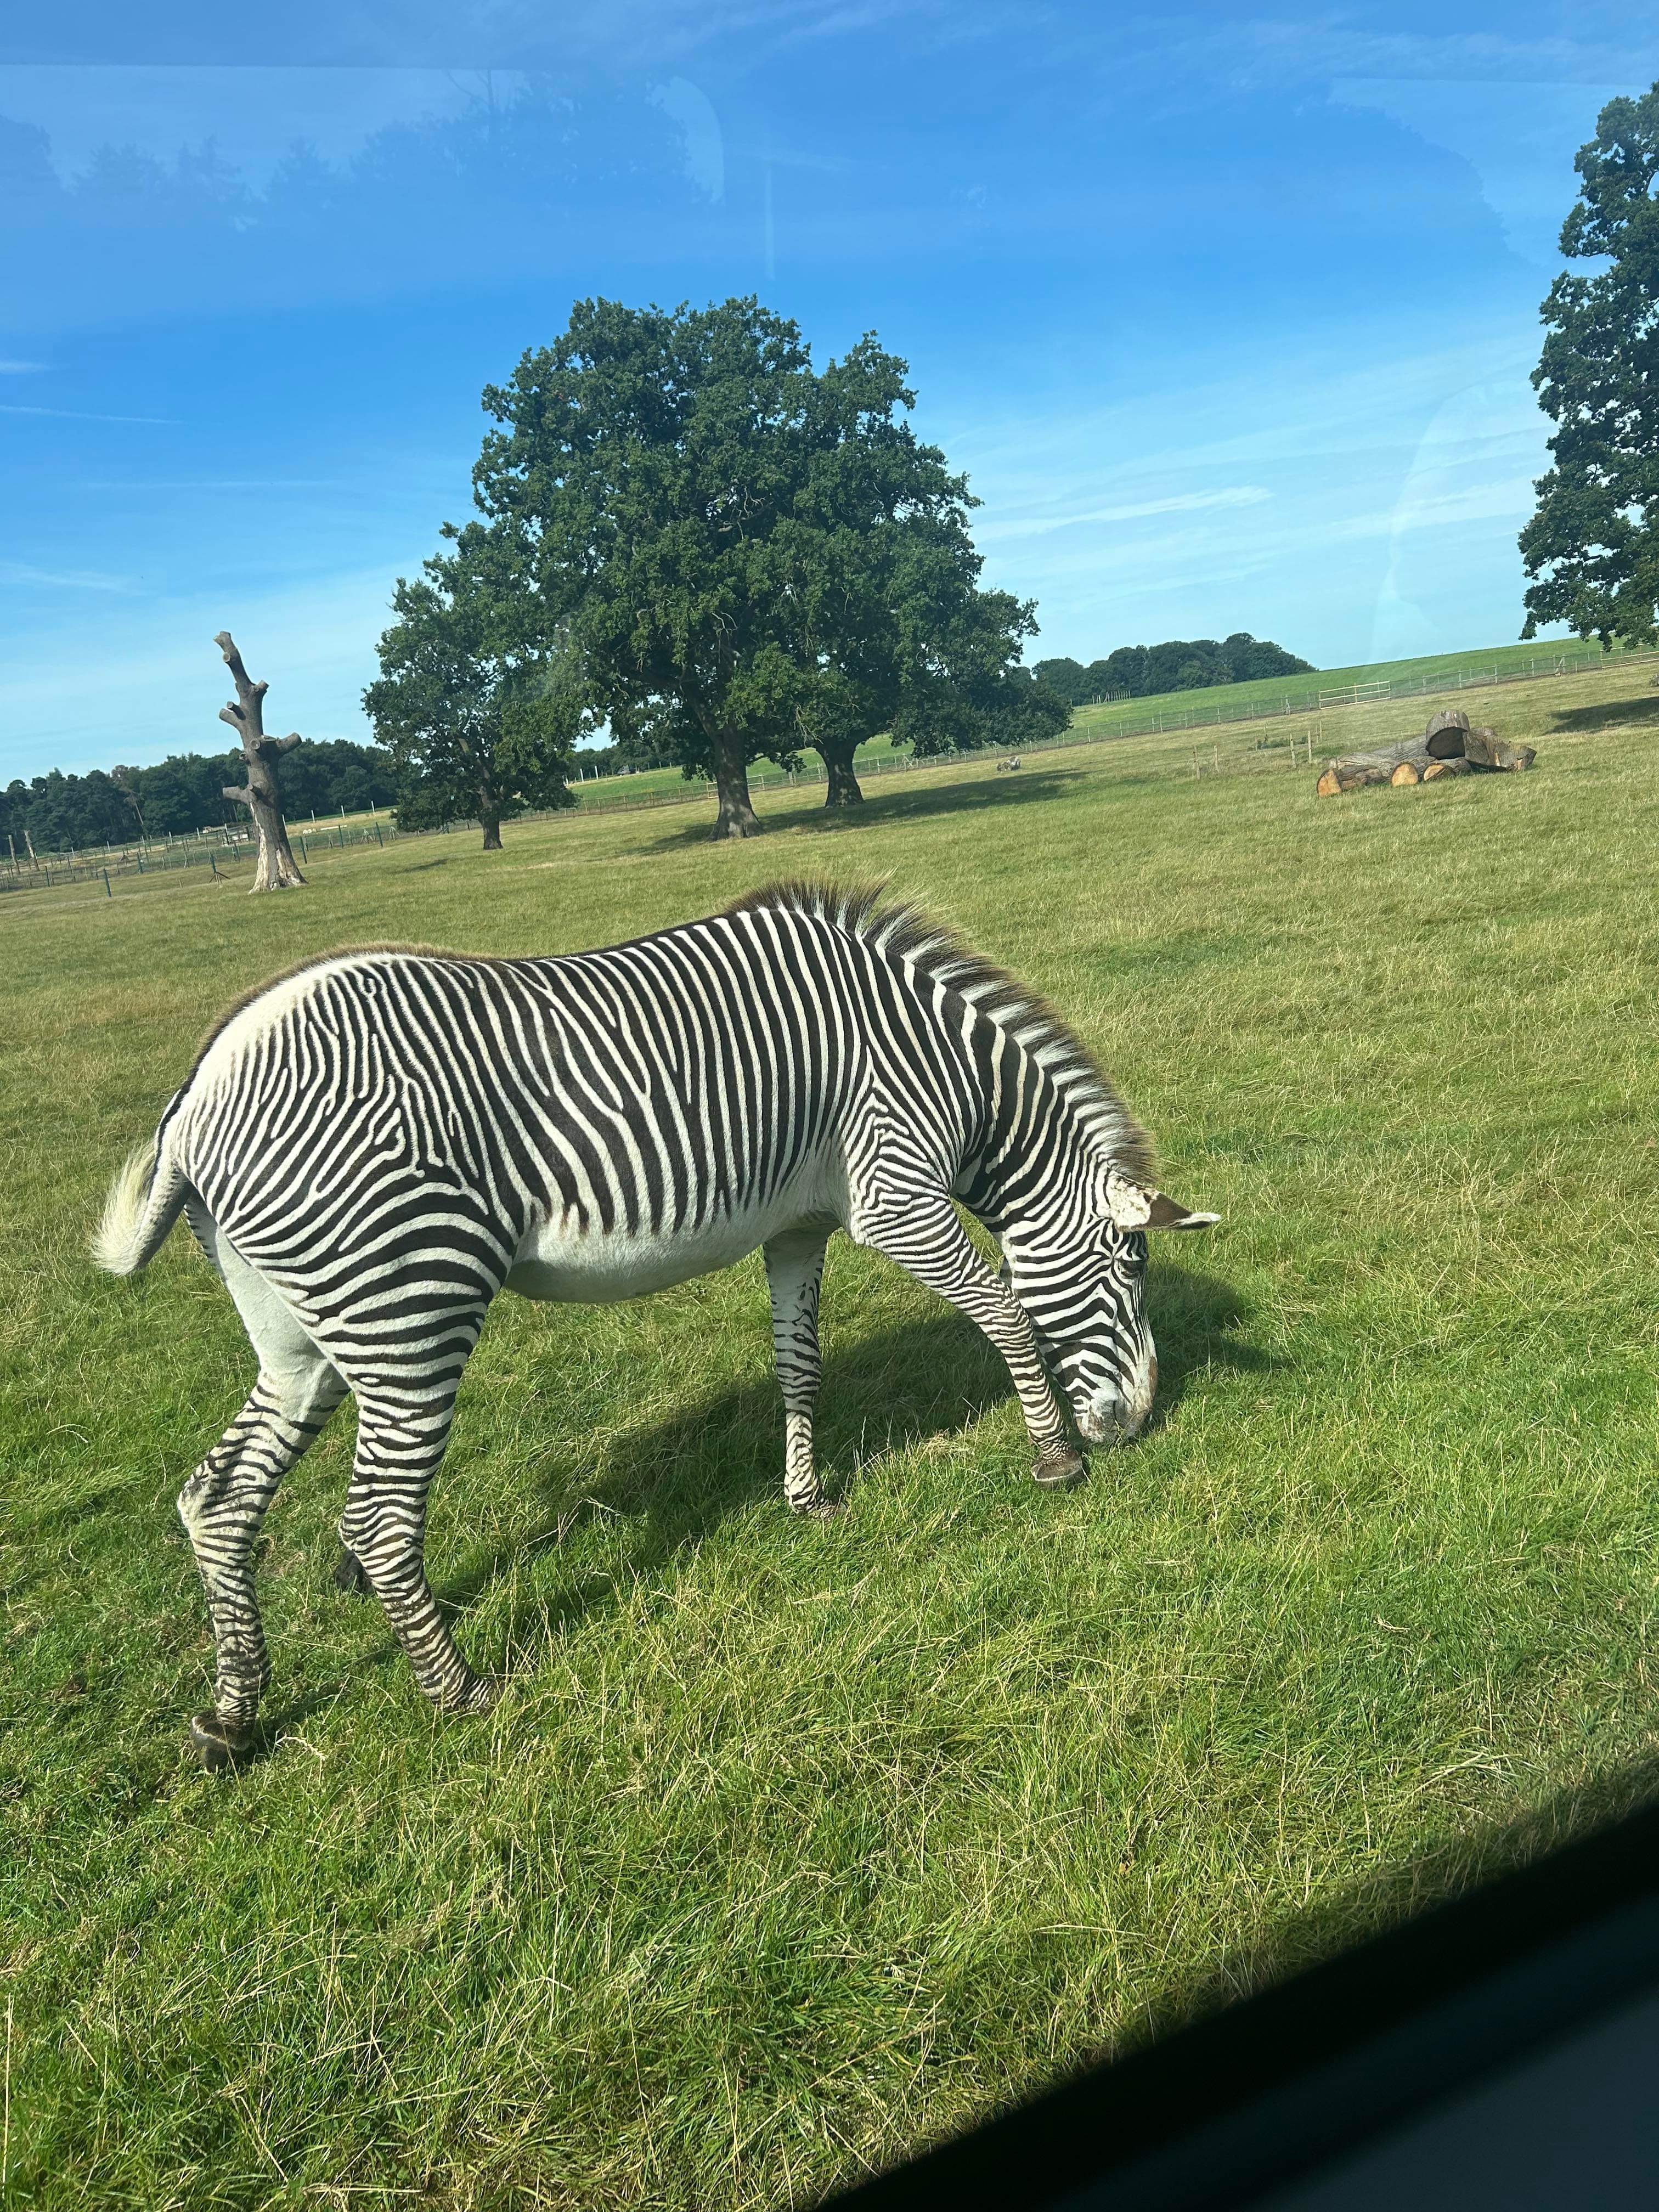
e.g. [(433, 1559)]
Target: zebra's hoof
[(217, 1745), (827, 1509), (1059, 1469), (482, 1694), (348, 1575)]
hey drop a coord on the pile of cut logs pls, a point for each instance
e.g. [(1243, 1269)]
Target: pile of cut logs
[(1448, 747)]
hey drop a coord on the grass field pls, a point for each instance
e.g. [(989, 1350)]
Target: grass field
[(793, 1846), (1269, 696)]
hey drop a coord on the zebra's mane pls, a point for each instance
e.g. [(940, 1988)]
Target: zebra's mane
[(903, 934)]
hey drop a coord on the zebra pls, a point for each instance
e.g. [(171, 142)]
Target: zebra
[(371, 1146)]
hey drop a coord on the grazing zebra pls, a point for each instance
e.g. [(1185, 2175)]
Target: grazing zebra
[(369, 1148)]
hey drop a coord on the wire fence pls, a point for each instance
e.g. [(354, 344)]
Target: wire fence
[(219, 851), (224, 853)]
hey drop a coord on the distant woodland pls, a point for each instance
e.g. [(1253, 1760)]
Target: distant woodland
[(1134, 671), (59, 813)]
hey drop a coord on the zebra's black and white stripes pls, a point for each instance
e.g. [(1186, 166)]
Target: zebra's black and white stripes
[(370, 1149)]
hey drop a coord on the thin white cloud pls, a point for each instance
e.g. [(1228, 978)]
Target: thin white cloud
[(1280, 51), (21, 367), (1186, 502), (68, 580), (1403, 479), (77, 414), (209, 484), (1510, 499)]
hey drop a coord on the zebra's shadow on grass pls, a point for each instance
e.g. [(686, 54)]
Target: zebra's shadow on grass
[(671, 1484)]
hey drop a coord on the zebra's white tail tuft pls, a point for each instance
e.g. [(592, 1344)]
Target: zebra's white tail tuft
[(137, 1214)]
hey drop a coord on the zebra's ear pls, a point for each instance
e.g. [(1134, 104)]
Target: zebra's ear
[(1126, 1203), (1129, 1205), (1170, 1213)]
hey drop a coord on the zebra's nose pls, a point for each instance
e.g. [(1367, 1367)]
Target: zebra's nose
[(1107, 1420)]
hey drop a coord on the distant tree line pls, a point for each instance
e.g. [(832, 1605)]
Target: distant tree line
[(59, 813), (1136, 671)]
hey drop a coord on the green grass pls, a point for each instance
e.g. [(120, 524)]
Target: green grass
[(1275, 694), (879, 754), (1267, 696), (792, 1847)]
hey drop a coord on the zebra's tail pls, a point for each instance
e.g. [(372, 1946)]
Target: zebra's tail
[(142, 1207)]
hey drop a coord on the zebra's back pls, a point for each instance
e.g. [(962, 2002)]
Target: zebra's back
[(583, 1126)]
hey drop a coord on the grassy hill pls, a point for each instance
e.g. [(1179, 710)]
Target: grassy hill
[(1220, 702), (792, 1847)]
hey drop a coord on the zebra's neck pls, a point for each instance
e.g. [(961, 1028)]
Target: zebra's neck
[(1034, 1147)]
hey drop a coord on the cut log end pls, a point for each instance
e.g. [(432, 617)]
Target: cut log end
[(1443, 737)]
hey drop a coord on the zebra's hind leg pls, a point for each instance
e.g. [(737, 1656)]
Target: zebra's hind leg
[(794, 1270), (401, 1435), (927, 1238), (222, 1507)]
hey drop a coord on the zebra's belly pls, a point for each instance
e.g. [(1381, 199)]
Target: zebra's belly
[(599, 1266)]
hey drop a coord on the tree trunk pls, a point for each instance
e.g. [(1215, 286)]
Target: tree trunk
[(1354, 772), (490, 813), (1444, 736), (737, 817), (842, 787), (276, 867), (1486, 749)]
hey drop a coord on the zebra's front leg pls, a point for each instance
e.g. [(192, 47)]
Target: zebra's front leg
[(400, 1443), (222, 1507), (794, 1270), (927, 1239)]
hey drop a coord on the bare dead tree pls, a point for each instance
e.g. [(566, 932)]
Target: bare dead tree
[(260, 794)]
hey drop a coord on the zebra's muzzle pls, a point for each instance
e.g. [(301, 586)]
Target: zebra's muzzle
[(1110, 1418), (1107, 1420)]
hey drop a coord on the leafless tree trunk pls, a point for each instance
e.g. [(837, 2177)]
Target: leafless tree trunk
[(260, 794)]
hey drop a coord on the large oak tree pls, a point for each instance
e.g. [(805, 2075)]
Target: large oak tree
[(1593, 544), (751, 556)]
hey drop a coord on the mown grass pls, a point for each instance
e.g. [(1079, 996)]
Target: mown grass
[(1266, 696), (792, 1847)]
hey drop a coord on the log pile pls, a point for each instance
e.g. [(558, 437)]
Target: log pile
[(1449, 747)]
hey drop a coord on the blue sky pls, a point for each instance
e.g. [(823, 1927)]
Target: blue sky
[(1228, 315)]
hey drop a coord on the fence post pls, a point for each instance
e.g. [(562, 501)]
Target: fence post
[(107, 892), (213, 862), (377, 838)]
